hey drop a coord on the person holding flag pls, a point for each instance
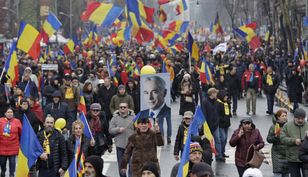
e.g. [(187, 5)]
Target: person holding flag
[(280, 166), (10, 132), (28, 86), (79, 146)]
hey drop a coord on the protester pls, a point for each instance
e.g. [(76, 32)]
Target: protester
[(292, 135), (201, 170), (53, 162), (245, 136), (142, 147), (121, 127), (93, 166), (187, 95), (150, 170), (121, 97), (10, 132), (280, 166)]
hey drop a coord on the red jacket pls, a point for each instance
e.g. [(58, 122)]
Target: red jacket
[(10, 145), (257, 80), (38, 111)]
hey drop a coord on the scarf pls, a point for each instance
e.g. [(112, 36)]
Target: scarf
[(79, 156), (226, 107), (46, 144), (185, 134), (95, 125), (269, 80), (277, 129), (7, 128)]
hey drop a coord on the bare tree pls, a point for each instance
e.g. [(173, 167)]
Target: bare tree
[(232, 7)]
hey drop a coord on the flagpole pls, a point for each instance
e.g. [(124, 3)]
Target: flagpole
[(2, 73), (189, 63)]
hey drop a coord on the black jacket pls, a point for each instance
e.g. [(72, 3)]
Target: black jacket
[(303, 152), (58, 152), (60, 110), (209, 109), (270, 89), (233, 84), (179, 144), (86, 148), (35, 123), (104, 96)]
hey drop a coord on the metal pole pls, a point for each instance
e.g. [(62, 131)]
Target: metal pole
[(306, 7), (56, 7), (71, 20)]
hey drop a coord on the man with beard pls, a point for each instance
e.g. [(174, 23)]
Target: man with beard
[(53, 161), (93, 167), (292, 135)]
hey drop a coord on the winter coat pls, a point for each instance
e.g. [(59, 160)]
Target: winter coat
[(270, 89), (179, 140), (303, 152), (141, 148), (209, 109), (35, 123), (58, 153), (289, 134), (72, 103), (117, 121), (32, 88), (278, 150), (38, 111), (104, 96), (295, 88), (59, 110), (135, 94), (233, 85), (256, 81), (48, 91), (89, 98), (87, 149), (187, 97), (243, 143), (224, 119), (117, 99), (10, 145)]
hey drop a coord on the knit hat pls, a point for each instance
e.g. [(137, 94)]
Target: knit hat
[(299, 113), (195, 147), (188, 114), (121, 87), (57, 93), (152, 167), (97, 163), (200, 169), (95, 106), (252, 172)]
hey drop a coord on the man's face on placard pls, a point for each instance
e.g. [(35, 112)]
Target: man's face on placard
[(154, 96)]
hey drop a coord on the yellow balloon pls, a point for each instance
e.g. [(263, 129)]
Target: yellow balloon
[(147, 69), (90, 53), (60, 124)]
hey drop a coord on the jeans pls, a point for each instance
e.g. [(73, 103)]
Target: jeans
[(161, 125), (12, 164), (295, 169), (234, 103), (270, 98), (217, 143), (223, 132), (120, 154), (47, 173)]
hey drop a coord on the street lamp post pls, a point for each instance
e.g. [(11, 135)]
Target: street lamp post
[(70, 15)]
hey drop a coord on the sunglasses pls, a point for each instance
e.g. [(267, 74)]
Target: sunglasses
[(123, 107), (95, 110)]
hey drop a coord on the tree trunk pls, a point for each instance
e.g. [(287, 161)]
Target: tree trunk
[(287, 25)]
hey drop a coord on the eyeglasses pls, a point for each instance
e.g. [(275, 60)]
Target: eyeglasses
[(123, 107), (95, 110)]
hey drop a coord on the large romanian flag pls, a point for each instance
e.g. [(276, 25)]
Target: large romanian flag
[(217, 26), (72, 169), (193, 47), (69, 47), (29, 40), (82, 104), (247, 32), (11, 66), (29, 149), (50, 26), (102, 14)]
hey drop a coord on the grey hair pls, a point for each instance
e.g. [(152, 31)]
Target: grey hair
[(158, 80)]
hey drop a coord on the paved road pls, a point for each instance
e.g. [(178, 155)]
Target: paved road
[(227, 169)]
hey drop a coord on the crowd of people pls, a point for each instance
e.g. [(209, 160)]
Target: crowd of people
[(111, 91)]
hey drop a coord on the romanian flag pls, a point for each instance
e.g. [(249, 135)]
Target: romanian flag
[(193, 47), (216, 26), (86, 130), (247, 32), (72, 170), (69, 47), (164, 69), (205, 73), (136, 72), (178, 26), (82, 104), (11, 66), (29, 40), (50, 26), (193, 129), (136, 118), (80, 161), (277, 129), (29, 149), (208, 134), (141, 11), (102, 14)]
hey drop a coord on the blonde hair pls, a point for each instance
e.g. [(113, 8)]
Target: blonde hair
[(75, 123)]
